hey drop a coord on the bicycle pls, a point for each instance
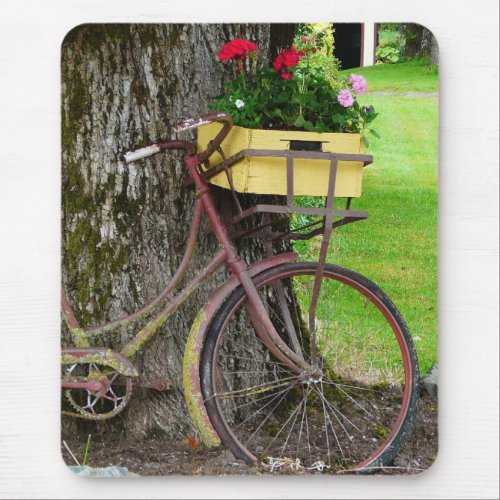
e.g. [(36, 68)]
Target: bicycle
[(291, 361)]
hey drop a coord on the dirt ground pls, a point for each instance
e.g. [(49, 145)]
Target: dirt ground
[(160, 457)]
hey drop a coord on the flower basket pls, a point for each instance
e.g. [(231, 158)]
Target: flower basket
[(268, 175)]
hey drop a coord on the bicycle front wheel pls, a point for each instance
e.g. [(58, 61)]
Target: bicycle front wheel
[(354, 416)]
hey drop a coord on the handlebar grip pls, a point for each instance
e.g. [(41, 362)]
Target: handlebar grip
[(138, 154)]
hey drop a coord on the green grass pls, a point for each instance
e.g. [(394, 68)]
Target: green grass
[(409, 76), (397, 245)]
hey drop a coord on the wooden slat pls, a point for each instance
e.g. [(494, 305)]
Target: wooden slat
[(261, 175)]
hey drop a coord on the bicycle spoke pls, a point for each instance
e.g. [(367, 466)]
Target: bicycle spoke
[(326, 432), (283, 427), (251, 390), (275, 396), (268, 415), (354, 401), (331, 425), (329, 405), (335, 411), (293, 424), (302, 423)]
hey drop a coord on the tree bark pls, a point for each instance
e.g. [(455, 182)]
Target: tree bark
[(124, 226), (420, 42), (281, 38)]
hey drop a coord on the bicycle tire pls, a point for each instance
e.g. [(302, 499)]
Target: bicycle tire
[(350, 435)]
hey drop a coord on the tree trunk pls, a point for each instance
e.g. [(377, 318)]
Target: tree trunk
[(281, 38), (429, 46), (124, 226), (420, 42)]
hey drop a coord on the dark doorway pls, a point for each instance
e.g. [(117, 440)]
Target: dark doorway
[(348, 48)]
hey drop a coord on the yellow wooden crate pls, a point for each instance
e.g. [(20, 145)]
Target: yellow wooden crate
[(266, 175)]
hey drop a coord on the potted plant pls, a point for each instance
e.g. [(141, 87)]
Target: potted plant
[(301, 101)]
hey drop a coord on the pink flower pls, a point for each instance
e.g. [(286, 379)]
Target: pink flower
[(345, 98), (358, 83)]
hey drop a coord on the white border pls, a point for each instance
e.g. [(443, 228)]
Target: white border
[(30, 37)]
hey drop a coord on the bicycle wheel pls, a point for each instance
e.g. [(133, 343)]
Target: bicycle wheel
[(354, 416)]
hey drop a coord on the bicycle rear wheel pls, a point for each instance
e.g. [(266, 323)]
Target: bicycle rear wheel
[(354, 417)]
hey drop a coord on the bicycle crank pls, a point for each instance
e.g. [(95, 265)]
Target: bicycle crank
[(97, 382)]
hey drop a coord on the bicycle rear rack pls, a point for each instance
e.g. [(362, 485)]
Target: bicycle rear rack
[(327, 214)]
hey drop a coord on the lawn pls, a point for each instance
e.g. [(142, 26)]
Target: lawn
[(397, 245), (406, 77)]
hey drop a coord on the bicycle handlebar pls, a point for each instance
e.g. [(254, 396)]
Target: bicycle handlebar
[(184, 125), (138, 154), (191, 123)]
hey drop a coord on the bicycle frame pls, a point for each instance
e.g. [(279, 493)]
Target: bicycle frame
[(228, 254), (81, 337)]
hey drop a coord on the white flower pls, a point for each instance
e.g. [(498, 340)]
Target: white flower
[(239, 103)]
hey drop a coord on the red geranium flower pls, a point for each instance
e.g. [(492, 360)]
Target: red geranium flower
[(237, 49), (287, 59)]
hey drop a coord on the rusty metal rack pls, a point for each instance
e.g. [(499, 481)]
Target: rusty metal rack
[(329, 217)]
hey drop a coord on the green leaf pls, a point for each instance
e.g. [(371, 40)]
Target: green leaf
[(308, 125), (282, 97), (366, 141), (375, 133), (299, 122), (277, 112)]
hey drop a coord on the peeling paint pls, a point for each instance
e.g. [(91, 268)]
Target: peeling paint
[(192, 389), (106, 357), (194, 343)]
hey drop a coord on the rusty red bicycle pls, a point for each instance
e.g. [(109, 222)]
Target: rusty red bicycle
[(287, 361)]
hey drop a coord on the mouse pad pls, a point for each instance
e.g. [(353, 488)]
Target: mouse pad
[(249, 249)]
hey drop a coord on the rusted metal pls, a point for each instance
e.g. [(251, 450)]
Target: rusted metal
[(289, 182), (196, 338), (229, 176), (282, 302), (258, 314), (68, 313), (227, 122), (329, 205), (106, 357), (154, 324), (216, 169), (310, 155), (96, 385)]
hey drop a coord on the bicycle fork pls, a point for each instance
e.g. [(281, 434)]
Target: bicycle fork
[(258, 315)]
